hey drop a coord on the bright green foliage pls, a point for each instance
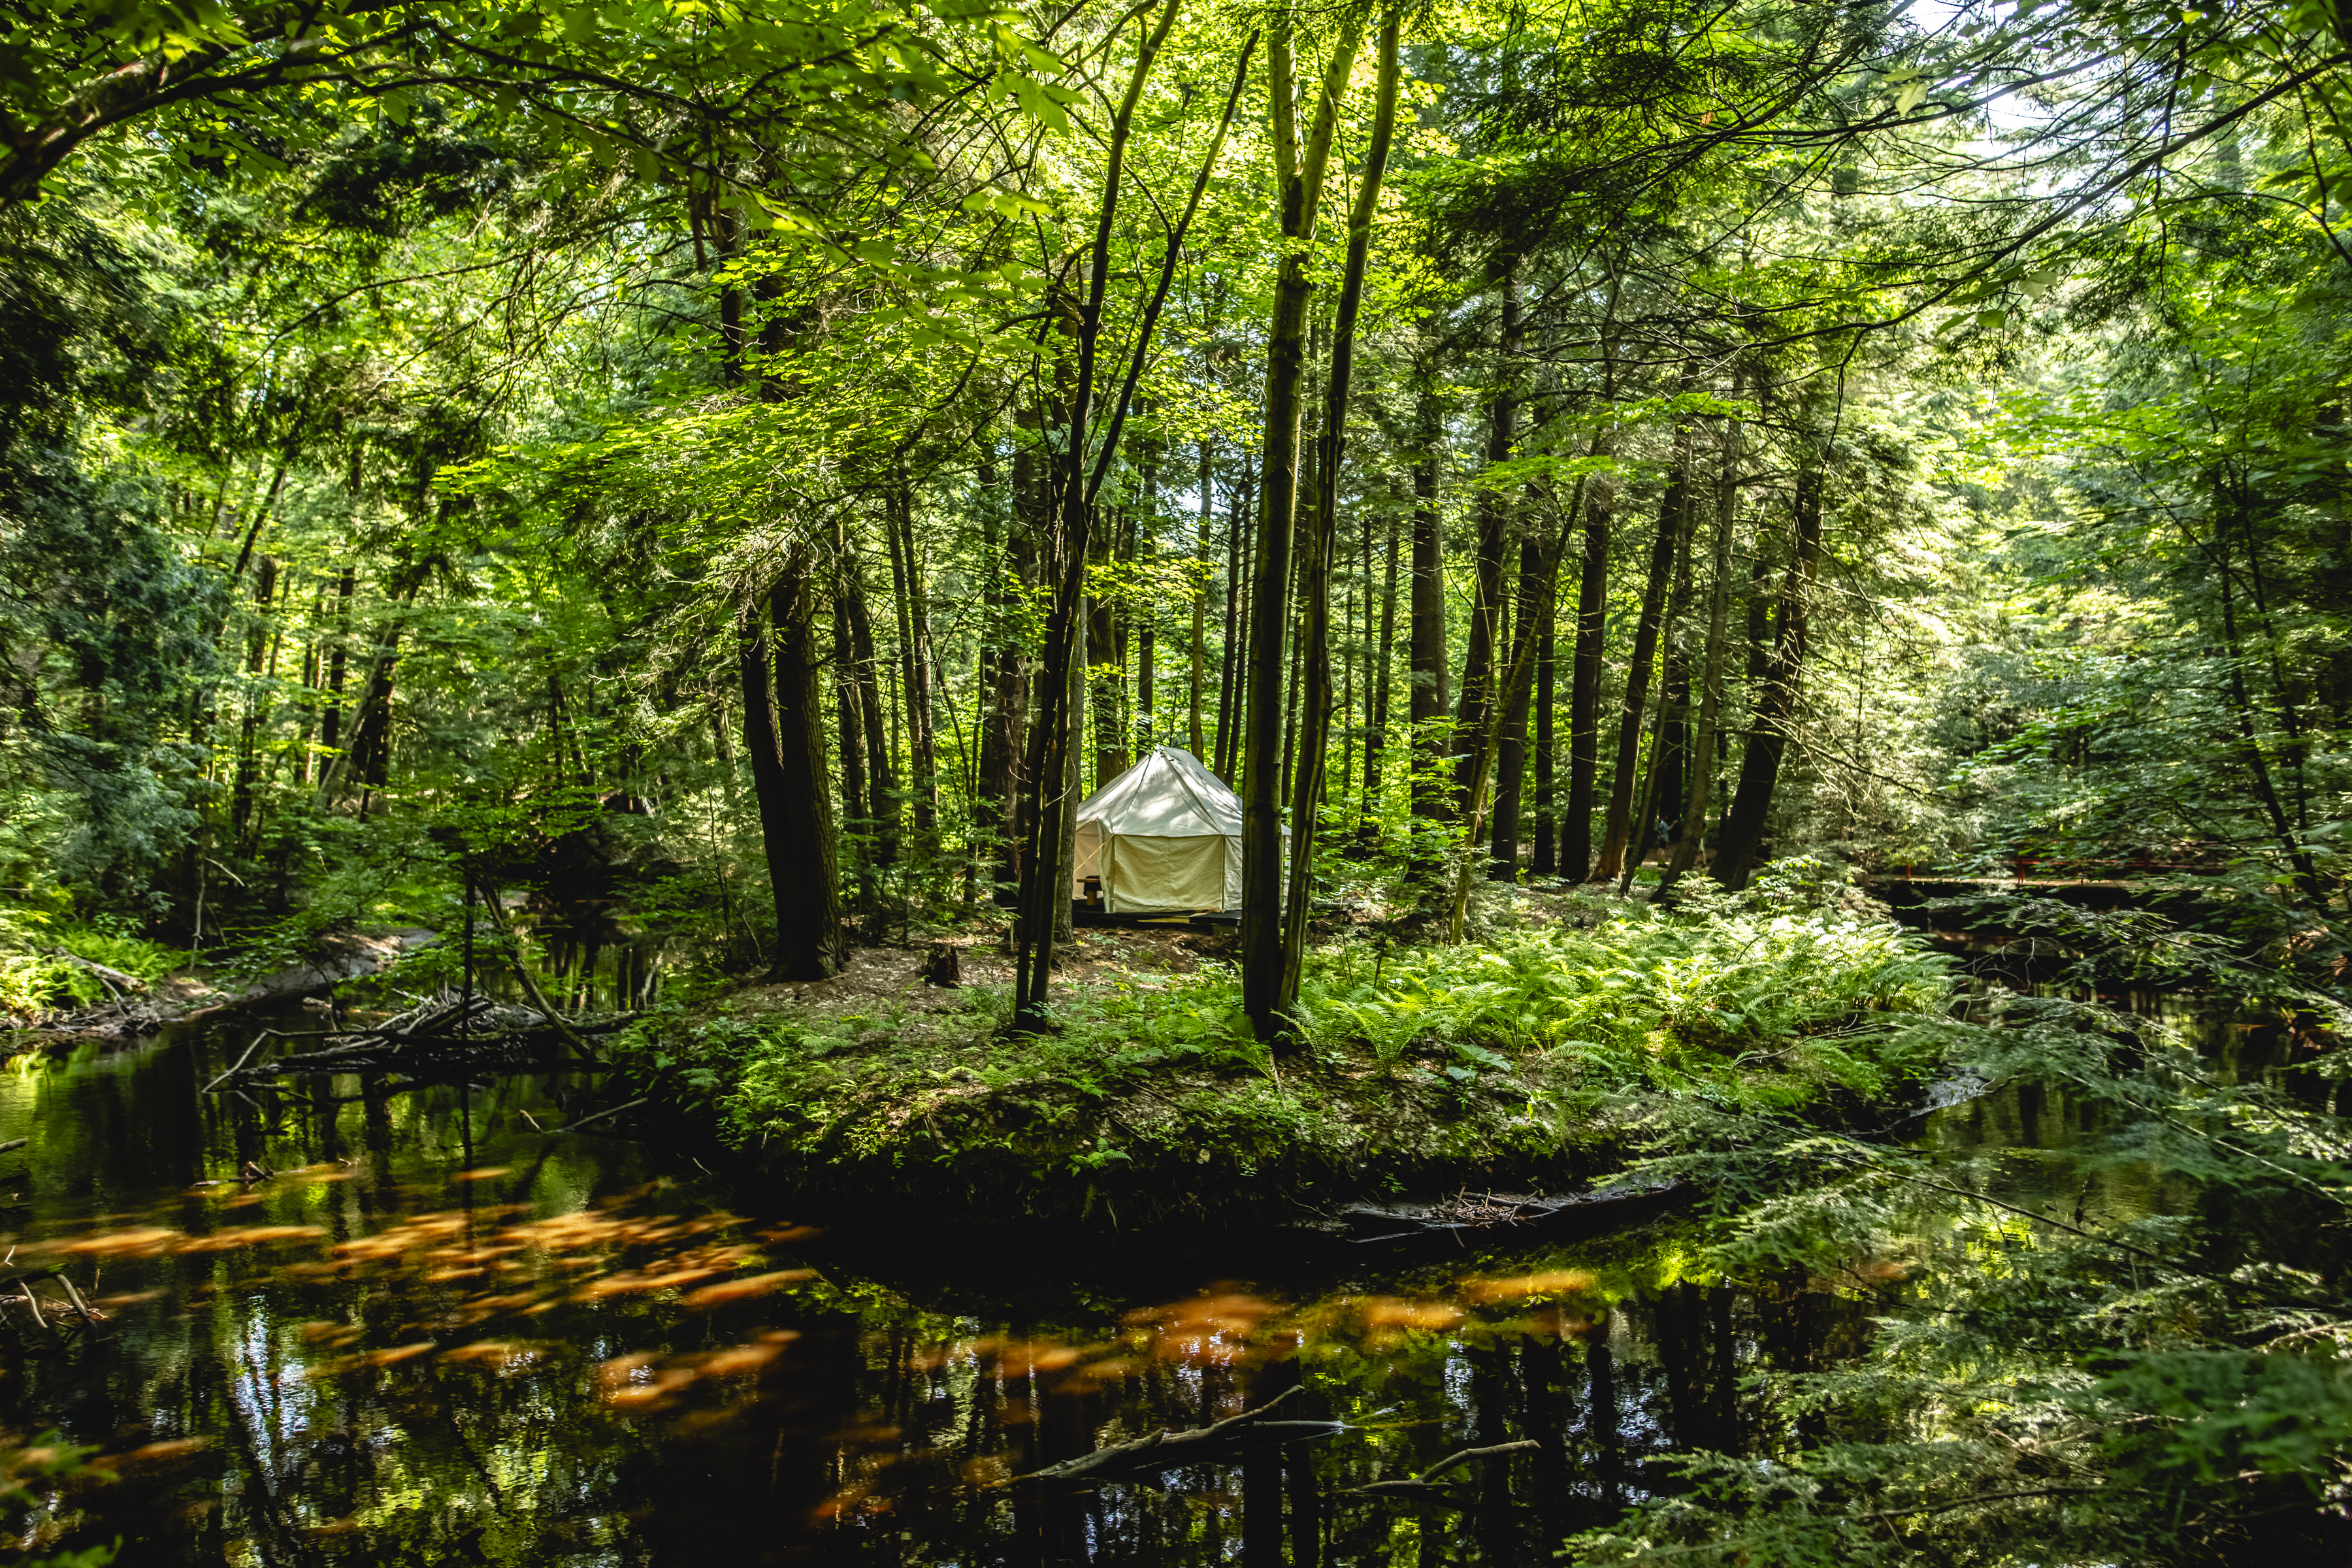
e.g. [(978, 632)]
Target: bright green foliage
[(2134, 1353), (1722, 1001), (1541, 1056)]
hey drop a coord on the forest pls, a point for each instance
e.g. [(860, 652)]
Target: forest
[(1745, 583)]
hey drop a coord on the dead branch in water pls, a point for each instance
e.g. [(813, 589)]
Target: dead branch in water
[(445, 1037), (1146, 1458), (1423, 1485)]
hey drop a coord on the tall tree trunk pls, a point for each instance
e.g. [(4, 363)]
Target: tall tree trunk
[(1146, 728), (1044, 885), (1266, 958), (913, 606), (1710, 702), (1662, 779), (1319, 534), (1234, 663), (1377, 685), (1493, 550), (248, 758), (1617, 834), (783, 730), (1425, 639), (1107, 669), (1200, 608), (330, 721), (1511, 743), (1775, 702), (883, 798), (857, 788), (995, 800), (368, 761), (1584, 684), (2250, 747), (1546, 862)]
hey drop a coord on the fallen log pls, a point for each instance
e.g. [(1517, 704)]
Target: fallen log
[(1146, 1458), (118, 984), (1424, 1486)]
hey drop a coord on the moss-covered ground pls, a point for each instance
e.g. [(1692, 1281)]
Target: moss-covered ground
[(1533, 1057)]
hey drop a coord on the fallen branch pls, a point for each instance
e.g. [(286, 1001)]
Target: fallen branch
[(442, 1037), (1146, 1458), (598, 1117), (498, 913), (1421, 1486)]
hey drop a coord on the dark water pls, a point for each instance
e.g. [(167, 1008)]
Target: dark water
[(441, 1335)]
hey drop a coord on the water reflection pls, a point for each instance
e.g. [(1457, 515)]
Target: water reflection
[(437, 1335)]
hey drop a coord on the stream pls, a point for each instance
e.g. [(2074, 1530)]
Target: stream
[(442, 1334)]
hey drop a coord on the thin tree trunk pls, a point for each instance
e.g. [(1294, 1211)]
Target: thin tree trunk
[(1377, 686), (1662, 780), (1710, 703), (1493, 550), (1271, 973), (1584, 685), (1617, 833), (913, 607), (331, 722), (249, 760), (1425, 652), (1511, 745), (1265, 961), (856, 789), (1107, 670), (1044, 885), (2249, 748), (882, 798), (1546, 862), (1234, 663), (1775, 702), (1200, 608)]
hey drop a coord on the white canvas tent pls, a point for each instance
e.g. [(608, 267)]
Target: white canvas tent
[(1164, 837)]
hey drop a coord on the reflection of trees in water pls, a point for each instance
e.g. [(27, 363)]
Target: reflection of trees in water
[(880, 1434)]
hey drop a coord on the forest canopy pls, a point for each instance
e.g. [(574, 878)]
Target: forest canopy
[(744, 459), (1594, 482)]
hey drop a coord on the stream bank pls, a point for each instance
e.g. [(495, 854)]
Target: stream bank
[(191, 995), (1519, 1067)]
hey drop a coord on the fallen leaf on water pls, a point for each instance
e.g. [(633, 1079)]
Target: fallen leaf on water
[(1548, 1282), (741, 1359), (248, 1235), (146, 1241), (1394, 1313), (155, 1453), (729, 1291)]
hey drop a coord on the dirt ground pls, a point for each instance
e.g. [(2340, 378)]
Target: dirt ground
[(898, 976)]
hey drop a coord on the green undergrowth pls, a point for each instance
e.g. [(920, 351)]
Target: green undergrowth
[(39, 972), (1537, 1058)]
